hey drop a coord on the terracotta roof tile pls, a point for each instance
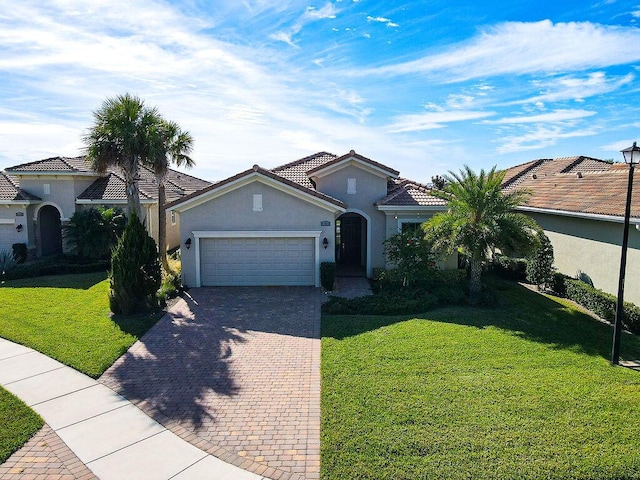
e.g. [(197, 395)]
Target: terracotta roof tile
[(408, 193), (353, 154), (297, 171)]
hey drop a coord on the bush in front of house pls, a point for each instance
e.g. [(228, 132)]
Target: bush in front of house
[(7, 262), (327, 275), (135, 273), (19, 252), (540, 267), (411, 255), (380, 305), (92, 233), (510, 268)]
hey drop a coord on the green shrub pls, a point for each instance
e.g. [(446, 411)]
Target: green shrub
[(558, 286), (510, 268), (7, 262), (379, 305), (327, 275), (60, 266), (94, 232), (19, 252), (601, 303), (412, 256), (135, 274), (540, 267)]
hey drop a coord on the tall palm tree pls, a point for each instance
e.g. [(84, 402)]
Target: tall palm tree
[(480, 218), (176, 147), (125, 132)]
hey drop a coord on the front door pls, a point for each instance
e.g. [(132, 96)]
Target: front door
[(350, 241), (50, 231)]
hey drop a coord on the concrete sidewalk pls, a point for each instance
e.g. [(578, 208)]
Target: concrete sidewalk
[(111, 436)]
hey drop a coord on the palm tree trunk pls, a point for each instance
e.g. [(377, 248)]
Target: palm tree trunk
[(162, 225), (132, 190), (475, 285)]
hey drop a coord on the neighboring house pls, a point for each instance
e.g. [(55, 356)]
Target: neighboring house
[(580, 202), (275, 227), (40, 197)]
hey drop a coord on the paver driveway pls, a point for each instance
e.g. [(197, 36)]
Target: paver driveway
[(236, 372)]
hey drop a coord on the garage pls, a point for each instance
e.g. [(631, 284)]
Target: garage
[(258, 261)]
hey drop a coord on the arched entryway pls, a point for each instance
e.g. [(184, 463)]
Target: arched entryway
[(50, 230), (351, 244)]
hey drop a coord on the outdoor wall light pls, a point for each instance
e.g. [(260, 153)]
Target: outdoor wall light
[(325, 242), (631, 157), (19, 228), (188, 243)]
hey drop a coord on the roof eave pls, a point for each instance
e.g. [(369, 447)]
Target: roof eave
[(585, 215)]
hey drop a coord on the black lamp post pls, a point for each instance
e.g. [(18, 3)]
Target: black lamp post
[(632, 158)]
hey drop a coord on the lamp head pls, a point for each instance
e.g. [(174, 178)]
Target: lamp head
[(631, 155)]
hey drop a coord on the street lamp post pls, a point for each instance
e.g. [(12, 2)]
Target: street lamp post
[(632, 158)]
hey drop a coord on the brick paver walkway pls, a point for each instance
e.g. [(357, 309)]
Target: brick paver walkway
[(44, 457), (236, 372)]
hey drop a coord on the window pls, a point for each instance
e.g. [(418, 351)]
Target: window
[(411, 228), (351, 186), (46, 188), (257, 202), (173, 217)]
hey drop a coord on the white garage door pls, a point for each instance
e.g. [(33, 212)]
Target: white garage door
[(257, 261), (7, 236)]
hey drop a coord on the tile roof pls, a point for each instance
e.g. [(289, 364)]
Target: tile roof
[(54, 164), (353, 154), (297, 171), (110, 187), (575, 184), (407, 193), (266, 173), (11, 192)]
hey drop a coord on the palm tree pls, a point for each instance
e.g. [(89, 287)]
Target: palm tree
[(480, 218), (177, 144), (125, 133)]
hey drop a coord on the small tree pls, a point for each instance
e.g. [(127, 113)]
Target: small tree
[(94, 232), (411, 254), (540, 268), (135, 271)]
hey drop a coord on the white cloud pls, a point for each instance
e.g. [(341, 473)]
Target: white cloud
[(539, 137), (515, 48), (311, 14), (550, 117), (384, 20), (432, 120), (577, 88)]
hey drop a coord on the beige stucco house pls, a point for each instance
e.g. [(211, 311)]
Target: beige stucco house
[(38, 198), (579, 202), (276, 226)]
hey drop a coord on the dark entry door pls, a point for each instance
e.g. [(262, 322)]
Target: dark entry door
[(50, 231), (350, 241)]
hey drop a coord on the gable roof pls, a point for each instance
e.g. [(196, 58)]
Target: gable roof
[(58, 165), (407, 193), (110, 187), (253, 172), (575, 185), (352, 155), (10, 191), (298, 171)]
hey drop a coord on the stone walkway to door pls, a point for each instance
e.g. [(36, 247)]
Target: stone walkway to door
[(236, 372)]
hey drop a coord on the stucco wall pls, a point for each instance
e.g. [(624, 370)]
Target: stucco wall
[(234, 211), (8, 223), (369, 189), (594, 247), (63, 190)]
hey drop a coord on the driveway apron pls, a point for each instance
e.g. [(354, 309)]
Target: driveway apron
[(236, 372)]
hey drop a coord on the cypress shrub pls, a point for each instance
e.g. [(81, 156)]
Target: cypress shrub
[(135, 271), (327, 275)]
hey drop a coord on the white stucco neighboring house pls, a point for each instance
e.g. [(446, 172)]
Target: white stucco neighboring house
[(40, 197), (579, 202), (275, 226)]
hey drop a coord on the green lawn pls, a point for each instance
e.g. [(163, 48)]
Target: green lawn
[(17, 424), (521, 391), (67, 318)]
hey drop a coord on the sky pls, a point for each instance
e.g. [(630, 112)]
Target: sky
[(424, 87)]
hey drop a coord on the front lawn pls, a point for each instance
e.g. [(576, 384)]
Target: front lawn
[(67, 317), (18, 423), (521, 391)]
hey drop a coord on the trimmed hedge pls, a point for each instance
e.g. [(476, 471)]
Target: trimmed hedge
[(379, 305), (510, 268), (602, 304), (60, 267)]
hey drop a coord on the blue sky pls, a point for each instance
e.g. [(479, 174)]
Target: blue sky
[(422, 86)]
